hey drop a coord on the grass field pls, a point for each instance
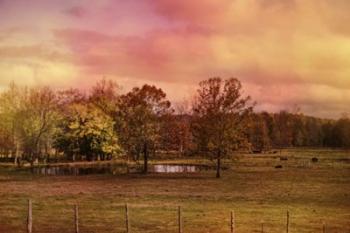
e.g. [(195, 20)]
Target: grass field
[(251, 186)]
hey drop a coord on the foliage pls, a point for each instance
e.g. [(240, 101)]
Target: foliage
[(38, 122), (39, 116), (10, 101), (219, 117), (104, 95), (28, 119), (87, 131), (176, 134), (142, 111), (258, 134)]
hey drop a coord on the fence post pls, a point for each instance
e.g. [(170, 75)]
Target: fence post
[(179, 220), (232, 221), (262, 226), (287, 221), (76, 218), (127, 223), (324, 227), (29, 217)]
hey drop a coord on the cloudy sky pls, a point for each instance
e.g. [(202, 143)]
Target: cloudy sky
[(286, 52)]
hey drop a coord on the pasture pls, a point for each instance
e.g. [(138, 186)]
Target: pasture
[(251, 185)]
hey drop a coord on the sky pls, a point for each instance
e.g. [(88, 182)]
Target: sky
[(287, 53)]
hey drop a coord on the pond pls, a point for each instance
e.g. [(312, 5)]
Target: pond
[(116, 169)]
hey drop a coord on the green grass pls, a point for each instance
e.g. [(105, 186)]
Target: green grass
[(252, 187)]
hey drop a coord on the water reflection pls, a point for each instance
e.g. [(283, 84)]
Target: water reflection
[(77, 170), (166, 168), (115, 169)]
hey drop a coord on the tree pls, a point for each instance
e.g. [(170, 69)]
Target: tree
[(10, 104), (28, 120), (176, 132), (268, 118), (259, 134), (39, 117), (141, 112), (69, 97), (220, 117), (298, 130), (284, 130), (104, 95), (183, 127), (341, 133), (87, 131), (314, 132)]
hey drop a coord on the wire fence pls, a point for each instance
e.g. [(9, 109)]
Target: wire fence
[(128, 228)]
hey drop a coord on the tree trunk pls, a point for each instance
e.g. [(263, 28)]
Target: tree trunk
[(31, 158), (181, 150), (46, 153), (218, 165), (145, 158), (17, 159)]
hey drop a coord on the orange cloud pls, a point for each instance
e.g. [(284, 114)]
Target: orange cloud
[(286, 53)]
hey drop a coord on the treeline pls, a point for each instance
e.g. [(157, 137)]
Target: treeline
[(283, 129), (37, 124)]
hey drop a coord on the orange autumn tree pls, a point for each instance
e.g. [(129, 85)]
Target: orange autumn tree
[(141, 112), (220, 118)]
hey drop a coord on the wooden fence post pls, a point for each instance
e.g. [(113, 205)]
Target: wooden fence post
[(287, 221), (29, 217), (324, 227), (76, 218), (179, 220), (232, 221), (127, 223)]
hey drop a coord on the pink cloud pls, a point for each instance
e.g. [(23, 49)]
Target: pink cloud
[(199, 12), (76, 11), (184, 56), (33, 52), (154, 56), (285, 52)]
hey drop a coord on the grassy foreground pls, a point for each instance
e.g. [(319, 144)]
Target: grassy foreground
[(252, 187)]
